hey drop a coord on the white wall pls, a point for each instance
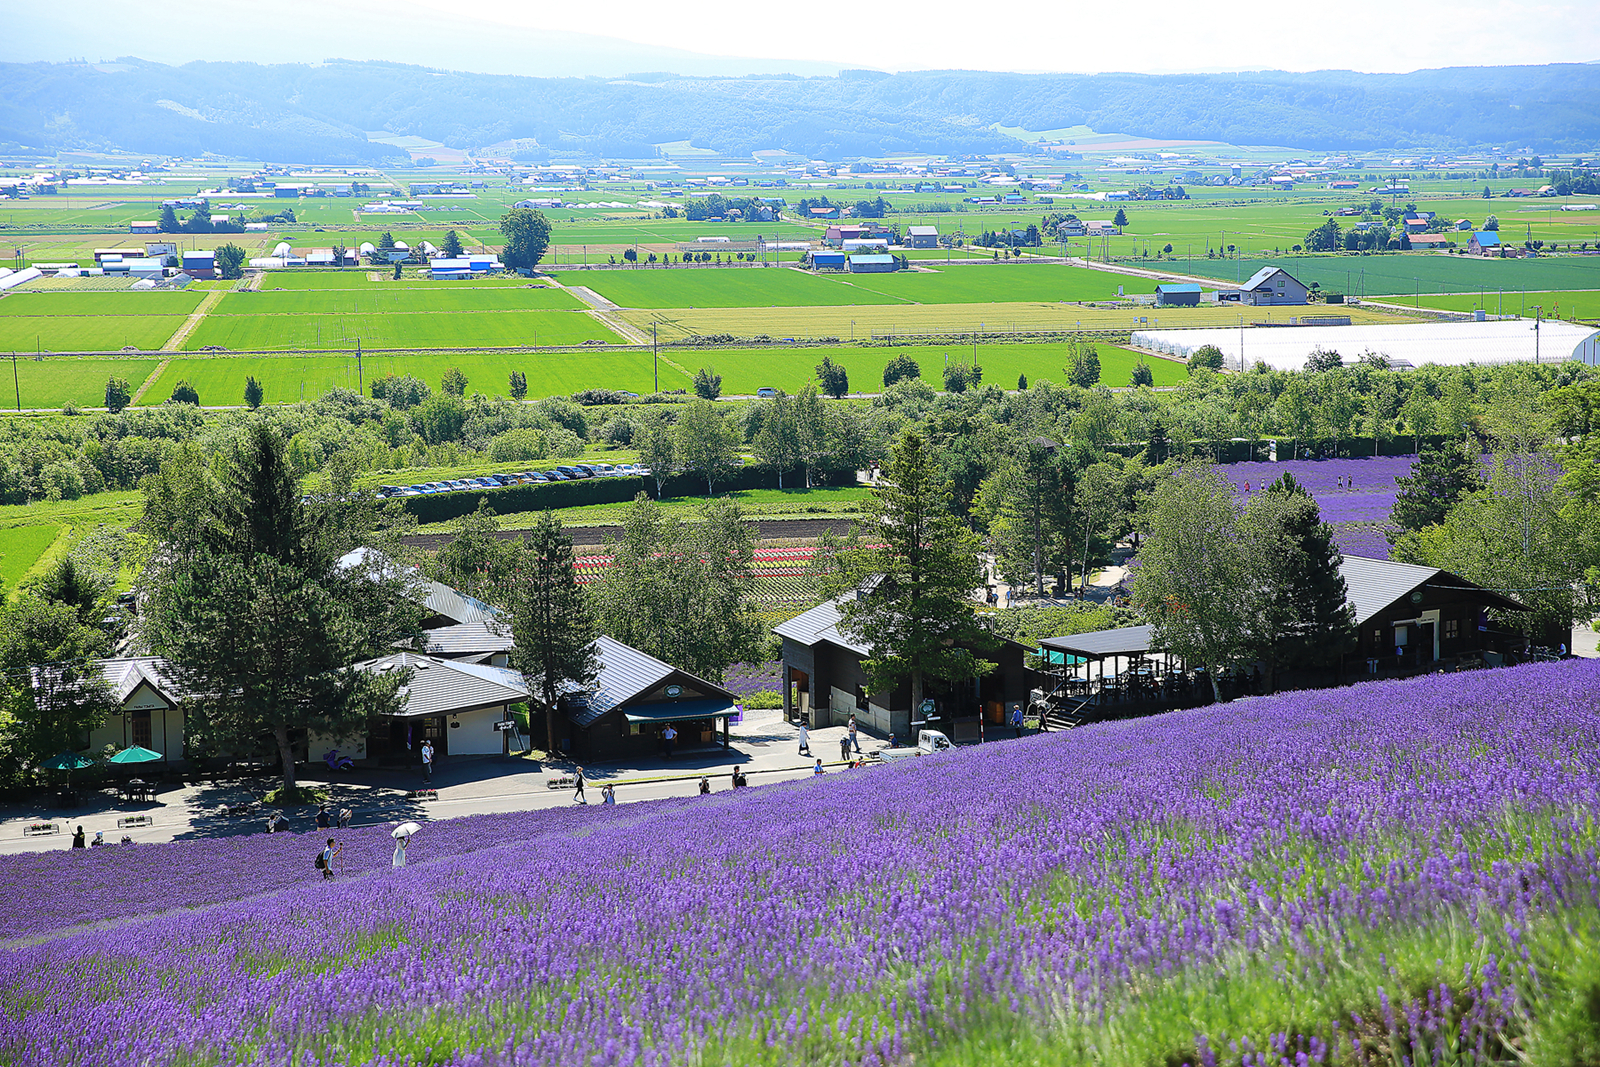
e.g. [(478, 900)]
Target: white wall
[(317, 745), (476, 735)]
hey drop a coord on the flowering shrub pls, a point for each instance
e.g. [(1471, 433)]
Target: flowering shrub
[(1399, 872)]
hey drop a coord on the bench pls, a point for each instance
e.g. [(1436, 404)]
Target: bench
[(126, 822), (423, 794), (561, 781), (40, 829)]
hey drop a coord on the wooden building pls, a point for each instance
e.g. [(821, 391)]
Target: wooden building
[(634, 698)]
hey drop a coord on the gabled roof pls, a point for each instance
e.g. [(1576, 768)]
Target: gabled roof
[(442, 686), (1372, 585), (467, 639), (923, 231), (1486, 238), (626, 673), (125, 676), (819, 624), (1125, 641), (437, 597), (1178, 287), (1260, 278)]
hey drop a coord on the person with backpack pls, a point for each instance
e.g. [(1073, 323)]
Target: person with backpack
[(324, 821), (327, 857)]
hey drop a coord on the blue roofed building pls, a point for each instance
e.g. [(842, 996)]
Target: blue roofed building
[(1178, 294), (879, 263), (1484, 243)]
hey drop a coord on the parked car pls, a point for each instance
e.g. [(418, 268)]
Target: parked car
[(557, 476), (534, 478), (766, 392), (575, 472), (928, 743)]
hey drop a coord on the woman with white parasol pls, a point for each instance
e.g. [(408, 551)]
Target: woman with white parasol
[(402, 835)]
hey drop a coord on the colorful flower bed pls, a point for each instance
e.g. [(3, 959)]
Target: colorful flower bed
[(1399, 873)]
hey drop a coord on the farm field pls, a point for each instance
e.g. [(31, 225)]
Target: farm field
[(898, 319), (108, 304), (85, 333), (220, 379), (376, 278), (1382, 867), (396, 301), (1402, 273), (20, 548), (754, 503), (1582, 303), (57, 381), (397, 330)]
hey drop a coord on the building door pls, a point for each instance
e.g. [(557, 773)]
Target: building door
[(432, 729), (1427, 647), (140, 724)]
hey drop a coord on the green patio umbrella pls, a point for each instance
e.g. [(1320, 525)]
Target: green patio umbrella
[(135, 754), (66, 761)]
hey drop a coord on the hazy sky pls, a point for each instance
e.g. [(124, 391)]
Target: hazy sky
[(1152, 36)]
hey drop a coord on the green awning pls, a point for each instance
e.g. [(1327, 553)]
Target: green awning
[(681, 710)]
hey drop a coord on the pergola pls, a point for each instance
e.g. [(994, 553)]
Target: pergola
[(1127, 649)]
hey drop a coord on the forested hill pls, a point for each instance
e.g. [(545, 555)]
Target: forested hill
[(318, 114)]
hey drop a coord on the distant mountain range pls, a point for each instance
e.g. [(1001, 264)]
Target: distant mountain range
[(321, 113)]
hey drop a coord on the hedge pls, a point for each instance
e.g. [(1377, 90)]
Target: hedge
[(556, 495)]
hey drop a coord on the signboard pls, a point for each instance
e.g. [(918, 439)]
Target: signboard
[(505, 724), (926, 707)]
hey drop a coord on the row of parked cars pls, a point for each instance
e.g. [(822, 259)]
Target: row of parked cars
[(567, 473)]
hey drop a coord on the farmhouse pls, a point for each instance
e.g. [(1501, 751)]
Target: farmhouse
[(149, 708), (198, 264), (867, 244), (1101, 228), (922, 237), (1269, 286), (1463, 225), (824, 683), (837, 235), (1430, 241), (1178, 294), (825, 260), (635, 697), (873, 263), (1483, 243)]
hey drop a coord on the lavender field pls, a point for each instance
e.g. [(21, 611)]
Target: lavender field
[(1355, 495), (1397, 873)]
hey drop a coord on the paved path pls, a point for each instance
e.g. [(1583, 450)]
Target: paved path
[(763, 745)]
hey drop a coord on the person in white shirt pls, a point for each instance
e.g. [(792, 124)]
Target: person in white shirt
[(805, 740), (668, 736)]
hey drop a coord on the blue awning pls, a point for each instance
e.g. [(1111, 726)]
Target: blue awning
[(679, 711)]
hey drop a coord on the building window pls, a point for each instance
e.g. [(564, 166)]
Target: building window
[(1452, 629), (1377, 637)]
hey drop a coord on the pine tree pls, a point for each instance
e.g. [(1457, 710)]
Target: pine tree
[(169, 220), (253, 393), (913, 606), (1438, 479), (550, 619), (451, 245)]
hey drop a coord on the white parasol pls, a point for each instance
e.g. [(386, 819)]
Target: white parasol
[(406, 829)]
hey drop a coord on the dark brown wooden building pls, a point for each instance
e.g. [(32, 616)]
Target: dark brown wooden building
[(635, 698)]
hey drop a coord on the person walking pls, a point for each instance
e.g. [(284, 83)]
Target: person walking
[(1016, 719), (328, 857), (668, 736), (324, 821), (427, 761), (399, 852), (577, 794), (855, 739), (739, 781), (844, 748), (805, 740), (77, 839)]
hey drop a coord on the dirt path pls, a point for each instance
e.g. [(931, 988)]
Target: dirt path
[(181, 334), (606, 312), (144, 387)]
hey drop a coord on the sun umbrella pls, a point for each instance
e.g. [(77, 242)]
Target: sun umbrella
[(66, 761), (136, 754), (406, 829)]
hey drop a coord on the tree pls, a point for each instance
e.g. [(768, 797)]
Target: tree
[(1208, 357), (1192, 579), (704, 443), (1300, 615), (1084, 371), (230, 261), (247, 597), (1322, 360), (656, 450), (707, 384), (1022, 383), (957, 377), (518, 385), (915, 608), (453, 382), (253, 393), (900, 368), (1486, 193), (118, 394), (631, 256), (400, 390), (1439, 479), (1026, 505), (169, 220), (551, 623), (1325, 238), (527, 234), (835, 380), (778, 443), (51, 693), (681, 591), (451, 245), (813, 430), (1121, 218), (184, 393), (1141, 374), (475, 559)]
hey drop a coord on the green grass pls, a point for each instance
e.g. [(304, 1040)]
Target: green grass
[(399, 330), (220, 379), (1403, 273), (755, 503), (57, 381), (398, 300), (85, 333), (369, 278), (1584, 304), (20, 548), (737, 287), (110, 304), (112, 509)]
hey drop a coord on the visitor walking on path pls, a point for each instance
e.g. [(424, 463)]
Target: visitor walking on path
[(805, 740), (577, 793), (323, 819), (328, 856), (855, 741), (739, 781), (427, 761), (1016, 719)]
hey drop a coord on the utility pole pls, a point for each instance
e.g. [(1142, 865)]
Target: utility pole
[(361, 384), (655, 355), (15, 380), (1538, 310)]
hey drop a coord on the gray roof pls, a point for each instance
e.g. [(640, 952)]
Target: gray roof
[(820, 623), (435, 596), (1122, 642), (1259, 279), (467, 639), (124, 676), (1372, 585), (442, 686), (626, 673)]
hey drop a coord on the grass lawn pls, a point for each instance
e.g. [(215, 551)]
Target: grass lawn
[(112, 509), (1584, 304), (108, 304), (57, 381), (746, 370), (399, 330), (20, 548), (220, 379), (1402, 273), (85, 333), (396, 300)]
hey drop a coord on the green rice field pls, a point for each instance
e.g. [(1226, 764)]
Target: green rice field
[(85, 333), (397, 301), (20, 549), (57, 381), (398, 330), (111, 304), (1401, 273), (1582, 304)]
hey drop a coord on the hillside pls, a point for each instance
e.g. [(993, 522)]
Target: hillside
[(1350, 876), (318, 114)]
